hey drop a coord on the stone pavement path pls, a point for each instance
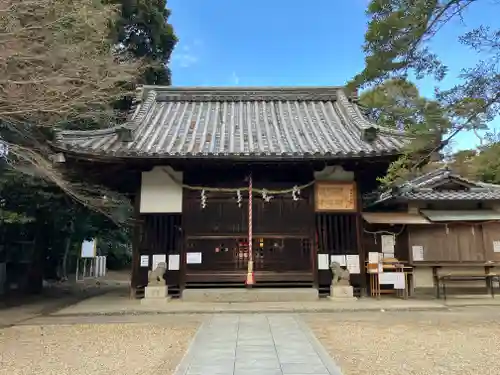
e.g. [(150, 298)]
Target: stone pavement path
[(256, 344)]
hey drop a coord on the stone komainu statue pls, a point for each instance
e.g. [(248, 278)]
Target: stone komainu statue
[(340, 276), (156, 276)]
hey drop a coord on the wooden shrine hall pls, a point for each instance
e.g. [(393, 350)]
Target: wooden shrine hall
[(224, 177)]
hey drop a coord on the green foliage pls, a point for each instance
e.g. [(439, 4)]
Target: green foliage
[(397, 43), (486, 161), (142, 32), (70, 64), (55, 220), (397, 103)]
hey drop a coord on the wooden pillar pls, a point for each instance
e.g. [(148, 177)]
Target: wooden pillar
[(136, 243), (359, 234)]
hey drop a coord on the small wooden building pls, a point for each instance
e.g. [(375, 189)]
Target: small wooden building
[(442, 223), (187, 156)]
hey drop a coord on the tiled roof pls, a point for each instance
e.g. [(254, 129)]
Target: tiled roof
[(427, 187), (224, 122), (472, 194)]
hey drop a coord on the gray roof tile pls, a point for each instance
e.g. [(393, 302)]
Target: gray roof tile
[(218, 122), (427, 187)]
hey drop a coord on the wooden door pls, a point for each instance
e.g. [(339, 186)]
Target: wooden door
[(282, 254)]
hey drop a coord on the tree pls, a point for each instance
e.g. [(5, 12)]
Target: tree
[(397, 43), (486, 161), (58, 68), (57, 62), (397, 103), (66, 64), (55, 226), (142, 31)]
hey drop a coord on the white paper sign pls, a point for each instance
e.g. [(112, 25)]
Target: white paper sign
[(388, 244), (396, 279), (399, 280), (193, 258), (144, 260), (157, 259), (496, 246), (373, 258), (174, 262), (380, 267), (88, 249), (323, 263), (386, 278), (353, 263), (340, 259), (417, 253)]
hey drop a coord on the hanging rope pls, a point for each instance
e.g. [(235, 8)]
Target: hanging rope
[(293, 189)]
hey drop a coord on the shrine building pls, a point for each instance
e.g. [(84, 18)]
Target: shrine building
[(190, 157)]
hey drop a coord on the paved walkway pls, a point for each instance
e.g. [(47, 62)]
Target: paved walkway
[(256, 344)]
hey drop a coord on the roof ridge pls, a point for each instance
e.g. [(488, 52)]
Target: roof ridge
[(137, 113), (240, 88), (143, 107), (360, 120)]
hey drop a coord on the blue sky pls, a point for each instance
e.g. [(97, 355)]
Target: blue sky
[(293, 43)]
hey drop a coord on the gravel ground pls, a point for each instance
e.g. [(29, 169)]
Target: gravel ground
[(97, 349), (461, 342)]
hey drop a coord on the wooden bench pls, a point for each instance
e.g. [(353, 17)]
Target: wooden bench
[(488, 278)]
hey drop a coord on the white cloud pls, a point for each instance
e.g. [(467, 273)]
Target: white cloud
[(235, 79), (184, 56)]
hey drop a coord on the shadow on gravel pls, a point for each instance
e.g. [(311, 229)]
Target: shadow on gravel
[(20, 309)]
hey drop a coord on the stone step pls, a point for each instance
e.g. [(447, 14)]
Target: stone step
[(250, 295)]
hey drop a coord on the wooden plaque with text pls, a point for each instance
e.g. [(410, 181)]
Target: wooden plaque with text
[(331, 196)]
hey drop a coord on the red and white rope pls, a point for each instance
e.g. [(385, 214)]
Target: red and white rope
[(250, 219)]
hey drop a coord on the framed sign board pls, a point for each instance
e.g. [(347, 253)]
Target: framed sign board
[(331, 196)]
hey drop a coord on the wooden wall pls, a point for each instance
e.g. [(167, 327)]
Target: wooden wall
[(461, 242), (372, 239), (338, 234), (160, 234)]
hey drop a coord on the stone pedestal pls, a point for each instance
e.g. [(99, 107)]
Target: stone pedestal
[(154, 295), (342, 293)]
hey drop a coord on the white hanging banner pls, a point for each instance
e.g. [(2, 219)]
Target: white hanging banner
[(144, 260)]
